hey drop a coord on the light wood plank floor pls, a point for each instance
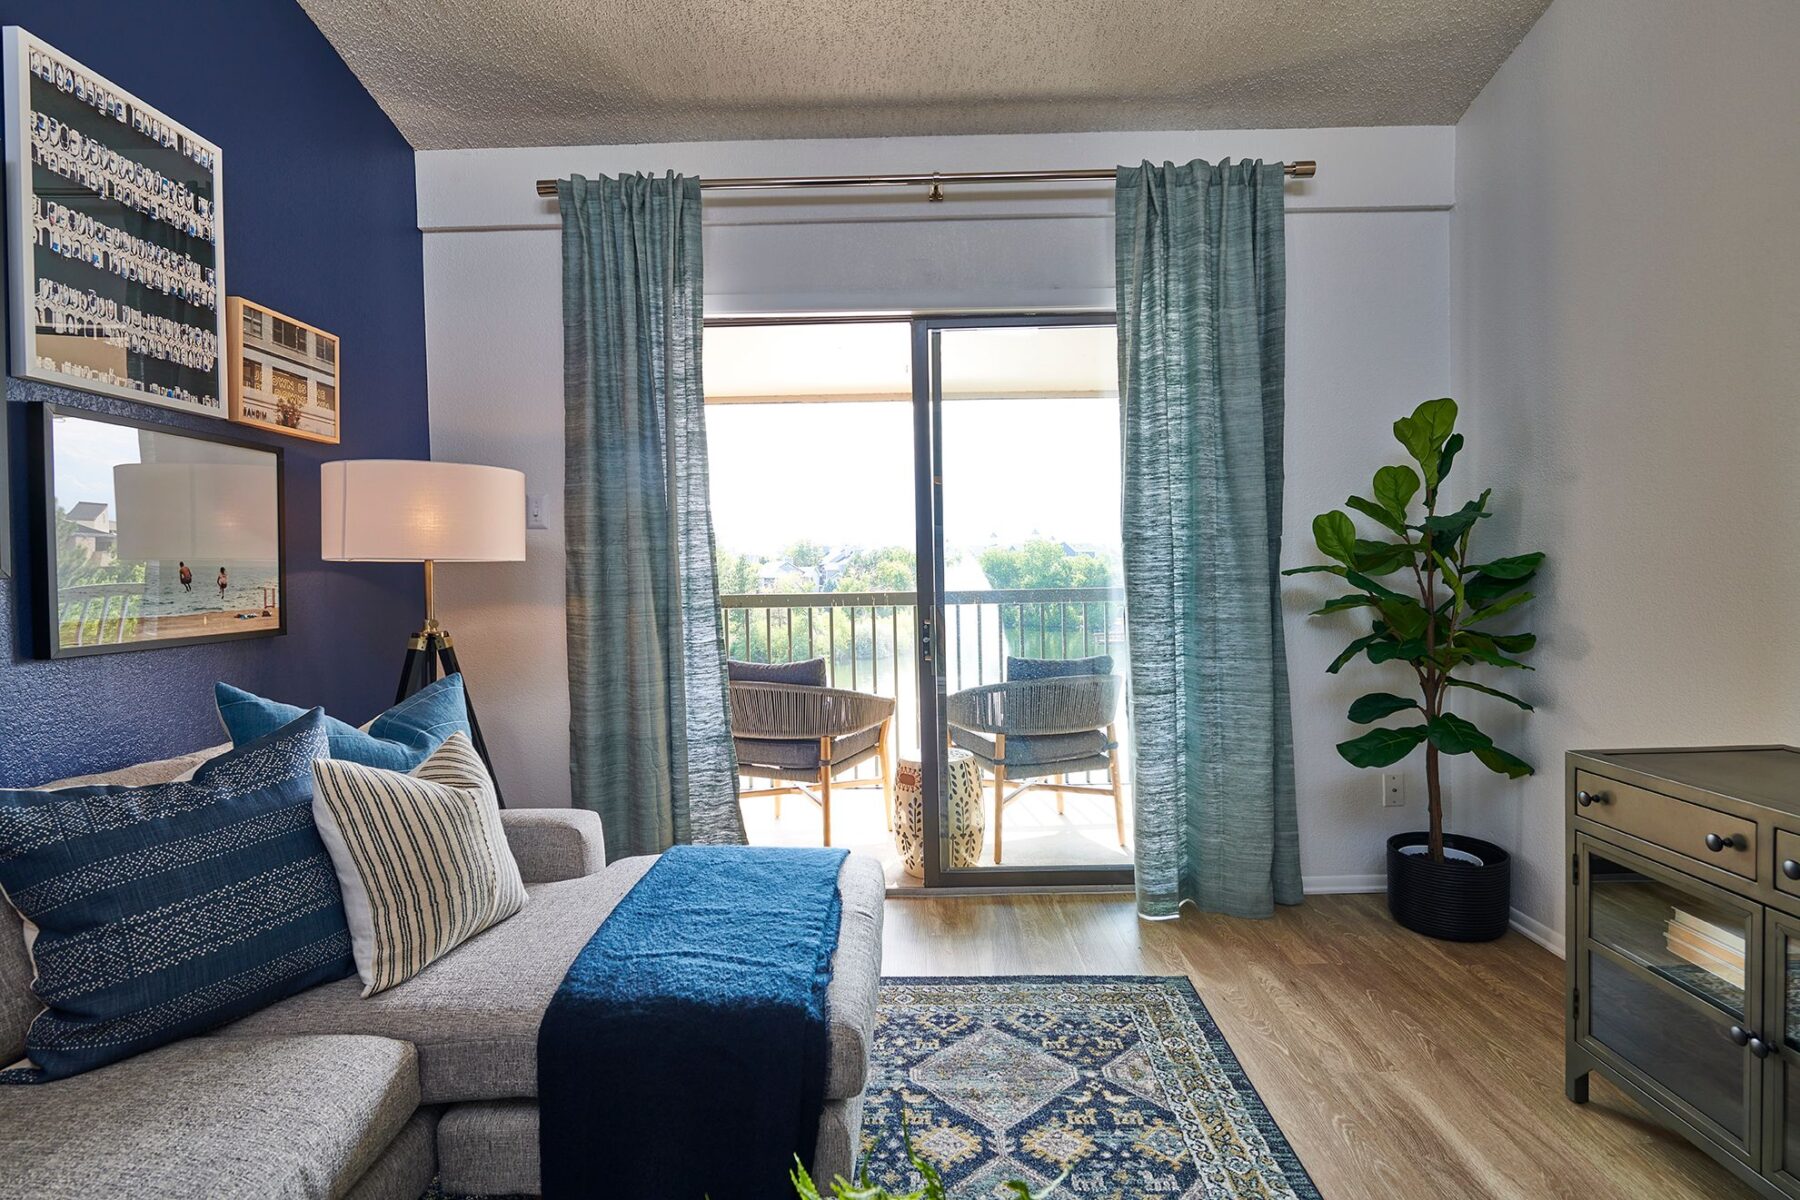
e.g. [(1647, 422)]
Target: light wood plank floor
[(1398, 1066)]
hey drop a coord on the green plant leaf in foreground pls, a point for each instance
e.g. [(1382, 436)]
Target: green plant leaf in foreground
[(1377, 512), (1504, 604), (1509, 765), (1411, 650), (1519, 566), (1487, 691), (1451, 446), (1382, 558), (1453, 735), (1405, 617), (1377, 705), (1336, 535), (1483, 588), (933, 1182), (1344, 603), (1484, 649), (1424, 434), (1454, 525), (1381, 747), (1352, 650), (1395, 487)]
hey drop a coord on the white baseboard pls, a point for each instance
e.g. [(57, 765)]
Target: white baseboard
[(1328, 885), (1550, 939)]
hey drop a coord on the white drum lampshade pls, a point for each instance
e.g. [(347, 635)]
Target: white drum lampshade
[(406, 510)]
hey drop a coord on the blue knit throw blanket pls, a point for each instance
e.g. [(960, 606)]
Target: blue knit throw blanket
[(685, 1054)]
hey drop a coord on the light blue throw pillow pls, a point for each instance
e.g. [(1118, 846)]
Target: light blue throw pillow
[(162, 912), (398, 740)]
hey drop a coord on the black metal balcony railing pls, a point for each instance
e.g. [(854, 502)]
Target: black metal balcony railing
[(867, 638)]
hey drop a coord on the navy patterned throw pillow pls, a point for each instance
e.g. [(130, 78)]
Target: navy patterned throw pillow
[(156, 913)]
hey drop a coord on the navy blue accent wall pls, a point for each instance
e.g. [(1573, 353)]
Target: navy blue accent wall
[(320, 222)]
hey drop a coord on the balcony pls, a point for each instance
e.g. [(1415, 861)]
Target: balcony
[(867, 642)]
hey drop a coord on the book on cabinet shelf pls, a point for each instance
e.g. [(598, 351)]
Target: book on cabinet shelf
[(1726, 935), (1712, 948)]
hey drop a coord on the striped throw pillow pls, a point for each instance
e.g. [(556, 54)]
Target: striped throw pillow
[(421, 858)]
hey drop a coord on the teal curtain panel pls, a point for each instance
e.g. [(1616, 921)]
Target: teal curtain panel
[(649, 726), (1201, 300)]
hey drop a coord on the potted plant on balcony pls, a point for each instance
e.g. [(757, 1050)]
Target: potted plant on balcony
[(1438, 621)]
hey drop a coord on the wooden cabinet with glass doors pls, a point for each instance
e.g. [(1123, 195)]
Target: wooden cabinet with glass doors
[(1684, 945)]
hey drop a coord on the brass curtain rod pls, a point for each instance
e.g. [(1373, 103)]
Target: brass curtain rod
[(1305, 168)]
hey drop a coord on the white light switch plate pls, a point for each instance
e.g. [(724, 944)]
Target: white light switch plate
[(1393, 789), (534, 512)]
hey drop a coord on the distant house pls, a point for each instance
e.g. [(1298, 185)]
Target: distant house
[(834, 566), (781, 575), (94, 532)]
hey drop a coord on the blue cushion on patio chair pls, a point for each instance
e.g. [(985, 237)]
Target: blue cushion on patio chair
[(808, 673), (1057, 668), (1038, 749), (801, 754)]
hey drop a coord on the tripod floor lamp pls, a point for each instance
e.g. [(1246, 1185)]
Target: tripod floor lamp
[(406, 510)]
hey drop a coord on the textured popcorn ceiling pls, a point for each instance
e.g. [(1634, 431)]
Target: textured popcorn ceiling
[(464, 73)]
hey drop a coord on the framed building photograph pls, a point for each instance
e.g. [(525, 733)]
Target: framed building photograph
[(116, 238), (146, 536), (284, 372)]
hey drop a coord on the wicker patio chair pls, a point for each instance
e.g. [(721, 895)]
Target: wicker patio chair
[(801, 738), (1040, 730)]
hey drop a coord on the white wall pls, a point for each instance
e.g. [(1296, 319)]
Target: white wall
[(1626, 270), (1369, 337)]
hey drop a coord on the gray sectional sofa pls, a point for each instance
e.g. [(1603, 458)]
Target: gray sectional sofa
[(330, 1095)]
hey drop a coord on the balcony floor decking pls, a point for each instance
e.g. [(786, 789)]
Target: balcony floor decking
[(1035, 835)]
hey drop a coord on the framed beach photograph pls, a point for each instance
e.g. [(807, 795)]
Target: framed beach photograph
[(284, 372), (147, 536), (115, 233)]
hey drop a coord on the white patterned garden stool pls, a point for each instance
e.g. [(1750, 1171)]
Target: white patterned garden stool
[(968, 824)]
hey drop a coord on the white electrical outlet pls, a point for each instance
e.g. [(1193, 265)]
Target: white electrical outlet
[(534, 512), (1393, 789)]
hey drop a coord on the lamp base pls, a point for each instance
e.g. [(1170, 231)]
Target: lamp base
[(429, 654)]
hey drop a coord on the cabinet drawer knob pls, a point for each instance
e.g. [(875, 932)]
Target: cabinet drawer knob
[(1717, 842), (1790, 868), (1586, 798)]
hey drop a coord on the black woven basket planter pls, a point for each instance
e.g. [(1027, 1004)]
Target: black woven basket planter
[(1454, 901)]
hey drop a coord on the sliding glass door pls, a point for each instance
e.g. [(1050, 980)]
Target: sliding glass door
[(925, 512), (1022, 614)]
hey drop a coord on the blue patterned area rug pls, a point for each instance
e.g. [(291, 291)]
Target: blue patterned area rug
[(1121, 1082)]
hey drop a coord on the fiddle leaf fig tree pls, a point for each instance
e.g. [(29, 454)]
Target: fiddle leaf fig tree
[(1434, 612)]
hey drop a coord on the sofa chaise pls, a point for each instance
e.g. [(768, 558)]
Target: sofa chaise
[(330, 1095)]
